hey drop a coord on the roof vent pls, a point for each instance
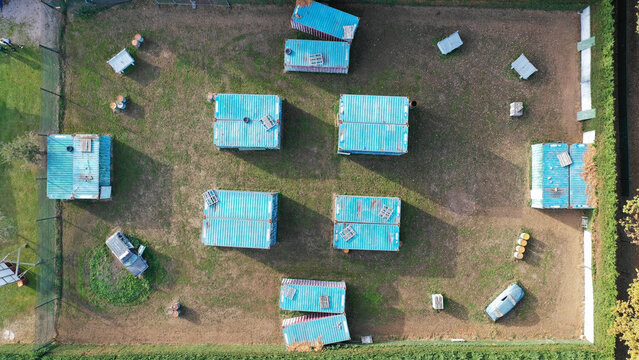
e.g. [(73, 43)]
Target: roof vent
[(246, 120), (386, 212), (70, 148), (288, 292), (316, 59), (268, 122), (347, 233), (288, 51), (210, 198), (324, 303)]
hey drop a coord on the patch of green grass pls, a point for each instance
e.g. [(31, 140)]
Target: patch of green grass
[(20, 78)]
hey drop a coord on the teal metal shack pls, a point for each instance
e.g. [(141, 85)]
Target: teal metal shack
[(324, 22), (557, 176), (248, 122), (366, 223), (315, 328), (375, 125), (313, 296), (79, 167), (243, 219)]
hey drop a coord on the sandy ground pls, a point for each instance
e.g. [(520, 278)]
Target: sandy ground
[(493, 199)]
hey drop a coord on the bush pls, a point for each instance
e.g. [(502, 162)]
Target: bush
[(25, 148)]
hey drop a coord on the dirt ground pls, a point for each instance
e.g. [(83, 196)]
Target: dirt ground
[(464, 183)]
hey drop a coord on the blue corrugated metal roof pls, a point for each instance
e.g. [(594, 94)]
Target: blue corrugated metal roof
[(244, 219), (324, 19), (578, 194), (121, 61), (450, 43), (373, 124), (308, 292), (523, 67), (327, 329), (362, 214), (550, 181), (230, 131), (105, 160), (76, 174), (334, 53)]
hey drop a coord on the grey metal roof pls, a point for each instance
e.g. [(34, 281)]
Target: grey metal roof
[(7, 276), (450, 43), (523, 67), (119, 244), (121, 61)]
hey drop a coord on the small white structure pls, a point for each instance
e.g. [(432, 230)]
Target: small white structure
[(450, 43), (367, 339), (438, 301), (121, 61), (589, 137), (523, 67), (516, 109)]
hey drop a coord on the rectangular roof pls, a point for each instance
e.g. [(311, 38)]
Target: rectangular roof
[(7, 276), (307, 294), (121, 61), (245, 219), (335, 54), (366, 209), (373, 124), (325, 19), (72, 172), (230, 129), (450, 43), (550, 181), (523, 67), (328, 329), (368, 237), (578, 187)]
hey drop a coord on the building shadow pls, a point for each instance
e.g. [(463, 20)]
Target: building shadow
[(142, 191), (144, 73), (308, 148)]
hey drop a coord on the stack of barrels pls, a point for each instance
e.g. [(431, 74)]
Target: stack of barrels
[(520, 248), (175, 310)]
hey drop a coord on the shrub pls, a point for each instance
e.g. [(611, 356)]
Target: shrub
[(25, 148)]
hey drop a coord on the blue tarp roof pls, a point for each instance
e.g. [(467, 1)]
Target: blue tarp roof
[(245, 219), (307, 294), (324, 19), (121, 61), (78, 174), (328, 329), (230, 130), (554, 186), (335, 54), (373, 124), (363, 215), (450, 43), (523, 67)]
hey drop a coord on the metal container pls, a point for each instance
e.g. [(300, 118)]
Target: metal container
[(375, 125), (304, 295), (578, 187), (327, 329), (244, 219), (262, 131), (366, 223), (316, 56), (324, 22)]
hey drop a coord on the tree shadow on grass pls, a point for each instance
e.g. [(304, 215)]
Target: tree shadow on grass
[(142, 191), (308, 148)]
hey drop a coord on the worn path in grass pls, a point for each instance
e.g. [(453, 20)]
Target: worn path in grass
[(464, 183)]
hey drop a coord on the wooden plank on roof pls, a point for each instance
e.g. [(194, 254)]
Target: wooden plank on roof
[(586, 44), (586, 115)]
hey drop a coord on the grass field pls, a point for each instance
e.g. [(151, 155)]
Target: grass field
[(464, 183), (20, 78)]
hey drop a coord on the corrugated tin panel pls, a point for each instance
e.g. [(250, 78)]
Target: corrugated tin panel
[(370, 124), (244, 219), (7, 276), (550, 180), (335, 56), (306, 297), (450, 43), (368, 237), (86, 168), (121, 61), (59, 167), (523, 67), (105, 160), (328, 23), (578, 194), (366, 209), (328, 329), (230, 131)]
